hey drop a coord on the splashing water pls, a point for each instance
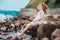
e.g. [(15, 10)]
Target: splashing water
[(3, 17)]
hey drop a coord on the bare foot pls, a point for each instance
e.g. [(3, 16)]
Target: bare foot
[(20, 35)]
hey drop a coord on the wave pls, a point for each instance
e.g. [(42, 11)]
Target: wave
[(7, 15), (10, 12), (4, 17)]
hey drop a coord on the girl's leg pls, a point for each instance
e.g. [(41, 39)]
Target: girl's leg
[(29, 26), (40, 32), (26, 28)]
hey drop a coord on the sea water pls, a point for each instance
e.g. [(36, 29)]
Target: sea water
[(5, 14)]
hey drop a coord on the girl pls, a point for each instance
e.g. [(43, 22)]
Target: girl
[(38, 19)]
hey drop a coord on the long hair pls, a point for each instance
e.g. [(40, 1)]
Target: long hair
[(45, 7)]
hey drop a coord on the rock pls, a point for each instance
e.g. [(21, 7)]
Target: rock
[(48, 29), (17, 23), (1, 37), (28, 12), (26, 21), (12, 25), (55, 16), (10, 37), (45, 38), (52, 22), (24, 17), (58, 18), (55, 11), (57, 38), (3, 28), (31, 18), (55, 34), (22, 22), (14, 38)]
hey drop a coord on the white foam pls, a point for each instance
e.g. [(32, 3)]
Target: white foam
[(3, 17)]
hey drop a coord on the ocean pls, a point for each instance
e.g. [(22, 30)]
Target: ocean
[(8, 14)]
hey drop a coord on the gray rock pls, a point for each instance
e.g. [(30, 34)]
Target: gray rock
[(55, 34)]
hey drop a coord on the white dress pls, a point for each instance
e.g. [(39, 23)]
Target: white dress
[(39, 15)]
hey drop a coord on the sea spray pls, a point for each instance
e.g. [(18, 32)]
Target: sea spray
[(4, 18)]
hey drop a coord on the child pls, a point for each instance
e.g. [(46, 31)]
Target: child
[(38, 19)]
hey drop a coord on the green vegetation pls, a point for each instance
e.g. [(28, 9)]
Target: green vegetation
[(48, 2), (34, 5), (53, 5)]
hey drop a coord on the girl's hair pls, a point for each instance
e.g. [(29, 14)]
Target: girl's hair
[(45, 7)]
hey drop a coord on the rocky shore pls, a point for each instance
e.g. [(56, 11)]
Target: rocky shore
[(9, 29)]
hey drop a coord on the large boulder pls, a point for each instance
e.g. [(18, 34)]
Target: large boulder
[(28, 12), (55, 34)]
